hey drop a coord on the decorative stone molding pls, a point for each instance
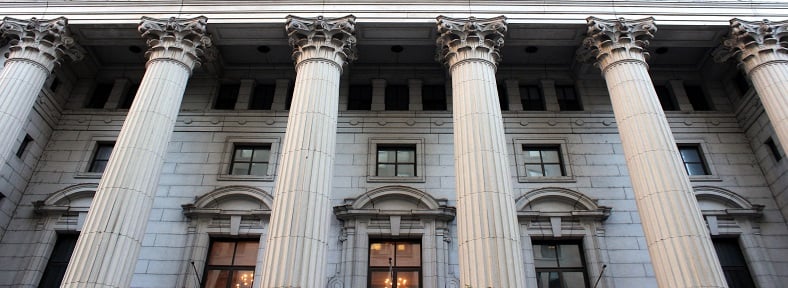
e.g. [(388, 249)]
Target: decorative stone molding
[(734, 205), (174, 39), (60, 201), (422, 204), (581, 205), (44, 42), (212, 203), (321, 38), (611, 41), (754, 43), (462, 39)]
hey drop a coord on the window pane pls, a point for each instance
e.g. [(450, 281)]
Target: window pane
[(240, 169), (261, 154), (104, 151), (533, 156), (386, 156), (696, 169), (406, 170), (380, 253), (386, 170), (380, 279), (545, 255), (98, 166), (242, 279), (221, 253), (552, 170), (406, 156), (569, 256), (259, 169), (407, 279), (550, 156), (408, 254), (690, 154), (243, 154), (573, 279), (216, 278), (548, 280), (533, 170), (246, 253)]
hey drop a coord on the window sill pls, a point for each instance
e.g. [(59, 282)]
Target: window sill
[(227, 177), (552, 179), (88, 175), (704, 178), (394, 179)]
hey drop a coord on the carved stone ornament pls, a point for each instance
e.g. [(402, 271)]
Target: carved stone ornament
[(604, 37), (747, 40), (44, 41), (308, 36), (182, 40), (483, 37)]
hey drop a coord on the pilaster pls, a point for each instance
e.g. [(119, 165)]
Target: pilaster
[(107, 249), (489, 246), (414, 95), (761, 49), (513, 91), (378, 95), (678, 242), (298, 237)]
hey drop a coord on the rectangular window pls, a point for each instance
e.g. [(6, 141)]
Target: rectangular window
[(360, 97), (693, 159), (231, 263), (396, 160), (666, 98), (23, 147), (697, 98), (100, 95), (733, 264), (228, 95), (263, 97), (130, 94), (568, 99), (101, 157), (433, 97), (543, 160), (532, 98), (251, 160), (397, 97), (503, 97), (559, 264), (773, 148), (394, 264), (58, 261)]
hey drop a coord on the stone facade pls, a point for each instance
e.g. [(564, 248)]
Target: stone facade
[(323, 98)]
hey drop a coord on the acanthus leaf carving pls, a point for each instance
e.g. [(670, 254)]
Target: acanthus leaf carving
[(46, 42), (483, 35), (605, 37), (183, 40), (312, 34), (748, 39)]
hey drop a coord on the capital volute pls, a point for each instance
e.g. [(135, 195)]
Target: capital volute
[(45, 42), (752, 41), (327, 38), (470, 38), (610, 41), (181, 40)]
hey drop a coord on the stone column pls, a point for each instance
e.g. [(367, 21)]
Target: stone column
[(489, 244), (108, 247), (36, 46), (760, 49), (678, 242), (298, 237)]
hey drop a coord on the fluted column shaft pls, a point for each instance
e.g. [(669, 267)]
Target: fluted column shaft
[(487, 228), (678, 242), (36, 47), (297, 244), (108, 246), (761, 51)]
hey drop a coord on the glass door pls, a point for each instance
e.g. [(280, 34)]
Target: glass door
[(394, 264)]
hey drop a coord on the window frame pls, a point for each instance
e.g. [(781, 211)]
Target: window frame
[(565, 102), (520, 156), (702, 151), (59, 242), (255, 148), (89, 152), (231, 143), (526, 99), (231, 268), (372, 160), (564, 242), (396, 268)]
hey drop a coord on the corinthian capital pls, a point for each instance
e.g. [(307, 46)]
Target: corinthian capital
[(180, 40), (462, 39), (330, 39), (609, 41), (45, 42), (752, 42)]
